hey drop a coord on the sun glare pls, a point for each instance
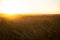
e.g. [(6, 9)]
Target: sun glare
[(9, 17), (29, 6)]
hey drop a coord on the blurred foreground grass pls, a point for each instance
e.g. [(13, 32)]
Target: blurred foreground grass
[(45, 27)]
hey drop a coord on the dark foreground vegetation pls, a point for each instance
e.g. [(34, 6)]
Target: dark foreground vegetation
[(45, 27)]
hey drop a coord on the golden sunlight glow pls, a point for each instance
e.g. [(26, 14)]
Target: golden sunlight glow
[(9, 16), (29, 6)]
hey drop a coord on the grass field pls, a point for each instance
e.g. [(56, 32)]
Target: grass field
[(38, 27)]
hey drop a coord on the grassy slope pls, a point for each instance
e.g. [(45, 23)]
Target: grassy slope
[(45, 27)]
